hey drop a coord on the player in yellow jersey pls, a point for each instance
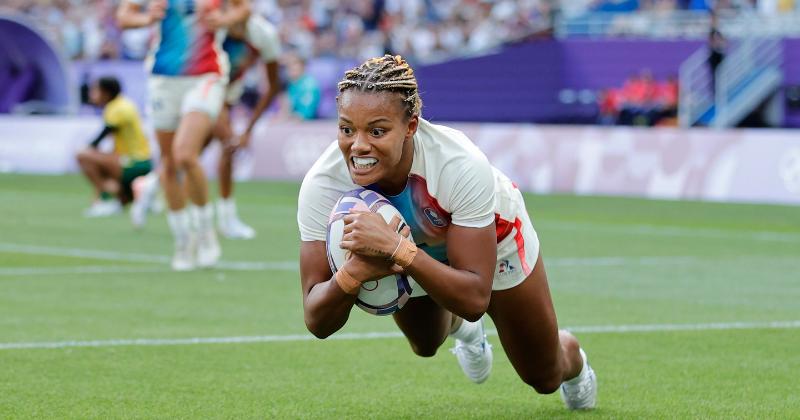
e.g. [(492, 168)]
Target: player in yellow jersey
[(111, 174)]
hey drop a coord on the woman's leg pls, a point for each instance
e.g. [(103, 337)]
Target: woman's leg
[(100, 168), (193, 130), (223, 132), (543, 356), (190, 138), (169, 172), (425, 324)]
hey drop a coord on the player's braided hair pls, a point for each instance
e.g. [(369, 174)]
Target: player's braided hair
[(387, 73)]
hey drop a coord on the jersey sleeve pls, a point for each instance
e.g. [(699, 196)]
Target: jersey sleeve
[(314, 205), (264, 36), (471, 195)]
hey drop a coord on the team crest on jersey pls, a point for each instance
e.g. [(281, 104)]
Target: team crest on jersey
[(505, 267), (434, 217)]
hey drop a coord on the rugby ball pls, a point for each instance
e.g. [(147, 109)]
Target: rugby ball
[(379, 297)]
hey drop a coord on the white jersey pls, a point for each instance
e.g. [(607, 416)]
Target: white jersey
[(451, 182), (261, 43)]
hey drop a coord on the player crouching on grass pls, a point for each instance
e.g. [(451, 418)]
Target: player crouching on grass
[(112, 174), (479, 254)]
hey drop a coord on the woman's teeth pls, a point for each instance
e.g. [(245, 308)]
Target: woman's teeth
[(364, 163)]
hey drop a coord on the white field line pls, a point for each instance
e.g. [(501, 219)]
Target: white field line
[(674, 231), (83, 269), (596, 329), (269, 265), (135, 257)]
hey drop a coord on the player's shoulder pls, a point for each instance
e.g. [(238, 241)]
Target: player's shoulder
[(117, 108), (446, 146)]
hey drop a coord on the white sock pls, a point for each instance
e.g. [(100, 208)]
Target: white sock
[(229, 207), (194, 217), (205, 216), (468, 332), (582, 375), (179, 223)]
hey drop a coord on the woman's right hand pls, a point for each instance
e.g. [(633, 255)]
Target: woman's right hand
[(366, 269), (156, 10)]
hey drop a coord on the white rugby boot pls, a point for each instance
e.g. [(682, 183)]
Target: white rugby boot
[(185, 240), (103, 208), (208, 249), (145, 189), (228, 222), (184, 257), (474, 352), (580, 393)]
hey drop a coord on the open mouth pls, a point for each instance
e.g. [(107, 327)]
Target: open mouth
[(363, 163)]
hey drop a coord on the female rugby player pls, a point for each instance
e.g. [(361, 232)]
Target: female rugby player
[(476, 250), (186, 88)]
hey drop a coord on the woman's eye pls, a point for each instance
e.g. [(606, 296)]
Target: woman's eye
[(377, 132), (346, 130)]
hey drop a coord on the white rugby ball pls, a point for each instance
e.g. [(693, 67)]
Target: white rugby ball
[(379, 297)]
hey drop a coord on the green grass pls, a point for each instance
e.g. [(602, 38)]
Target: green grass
[(713, 263)]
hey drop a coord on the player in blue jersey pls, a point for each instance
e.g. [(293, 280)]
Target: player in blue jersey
[(186, 87)]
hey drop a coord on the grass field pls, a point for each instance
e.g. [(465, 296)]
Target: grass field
[(686, 310)]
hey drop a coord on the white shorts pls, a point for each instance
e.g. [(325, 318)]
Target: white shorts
[(234, 92), (518, 251), (171, 97)]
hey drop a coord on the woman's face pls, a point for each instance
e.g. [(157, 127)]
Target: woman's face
[(375, 137), (96, 95)]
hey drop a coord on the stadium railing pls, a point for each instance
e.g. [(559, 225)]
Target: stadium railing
[(684, 24), (749, 75)]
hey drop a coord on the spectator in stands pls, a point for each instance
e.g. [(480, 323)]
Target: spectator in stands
[(637, 96), (716, 51), (302, 92), (666, 102), (348, 29), (609, 104)]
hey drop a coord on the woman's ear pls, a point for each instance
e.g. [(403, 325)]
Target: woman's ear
[(413, 123)]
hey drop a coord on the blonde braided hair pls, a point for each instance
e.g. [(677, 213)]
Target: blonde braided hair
[(387, 73)]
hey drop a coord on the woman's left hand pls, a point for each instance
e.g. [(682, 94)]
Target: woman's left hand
[(367, 234)]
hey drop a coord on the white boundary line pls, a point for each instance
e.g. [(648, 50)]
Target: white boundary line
[(163, 261), (135, 257), (596, 329), (655, 230), (81, 269), (264, 266)]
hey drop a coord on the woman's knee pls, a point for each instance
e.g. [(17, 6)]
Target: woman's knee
[(84, 157), (544, 382), (184, 158), (424, 349)]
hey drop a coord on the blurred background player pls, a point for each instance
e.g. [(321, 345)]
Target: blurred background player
[(186, 87), (111, 174), (246, 44)]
